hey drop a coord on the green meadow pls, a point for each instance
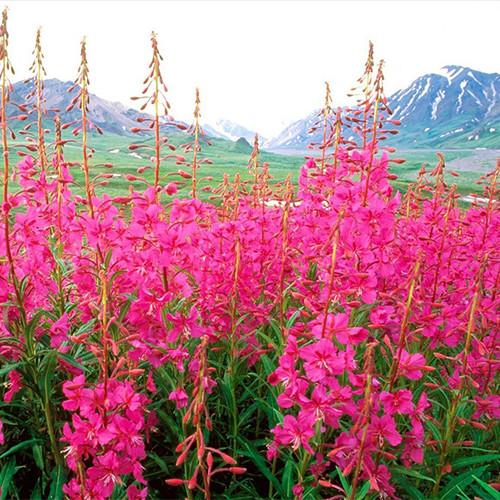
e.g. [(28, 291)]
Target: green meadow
[(233, 158)]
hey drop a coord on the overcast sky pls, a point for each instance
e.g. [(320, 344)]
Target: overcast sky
[(262, 64)]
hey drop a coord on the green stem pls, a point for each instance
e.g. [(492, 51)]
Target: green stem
[(52, 436), (452, 422), (303, 469), (273, 472)]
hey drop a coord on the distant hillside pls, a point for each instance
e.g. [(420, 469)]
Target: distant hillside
[(111, 117), (459, 107), (226, 129), (455, 108)]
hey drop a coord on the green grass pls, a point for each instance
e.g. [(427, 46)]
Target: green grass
[(408, 171), (232, 158), (225, 155)]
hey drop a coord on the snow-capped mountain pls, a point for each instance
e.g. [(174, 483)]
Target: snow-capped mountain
[(296, 135), (226, 129), (455, 107), (111, 117), (457, 104)]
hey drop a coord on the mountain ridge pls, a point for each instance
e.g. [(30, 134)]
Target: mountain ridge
[(455, 107), (451, 107)]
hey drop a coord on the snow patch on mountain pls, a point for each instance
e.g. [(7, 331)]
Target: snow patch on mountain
[(226, 129), (463, 84), (436, 102), (450, 72)]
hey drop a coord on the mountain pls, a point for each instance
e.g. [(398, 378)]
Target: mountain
[(111, 117), (242, 146), (456, 107), (296, 135), (225, 129)]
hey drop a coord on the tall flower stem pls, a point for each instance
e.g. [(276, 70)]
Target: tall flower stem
[(196, 142), (39, 71), (156, 79), (284, 244), (367, 406), (6, 66), (232, 355), (404, 326), (104, 333), (457, 396), (378, 97), (326, 112), (336, 239)]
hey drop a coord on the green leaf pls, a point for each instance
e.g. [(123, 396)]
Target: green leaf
[(413, 493), (13, 366), (247, 414), (85, 328), (160, 462), (288, 480), (71, 360), (107, 259), (291, 321), (115, 275), (410, 472), (36, 492), (463, 462), (360, 494), (451, 490), (486, 487), (38, 456), (345, 484), (47, 374), (20, 446), (263, 466), (58, 476), (6, 476), (269, 367)]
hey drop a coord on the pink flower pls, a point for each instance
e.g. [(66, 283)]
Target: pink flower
[(298, 490), (397, 402), (384, 428), (285, 373), (180, 397), (127, 436), (107, 470), (488, 406), (380, 481), (321, 406), (15, 384), (74, 391), (413, 450), (171, 188), (59, 331), (150, 383), (134, 493), (295, 432), (322, 360), (411, 365), (354, 335)]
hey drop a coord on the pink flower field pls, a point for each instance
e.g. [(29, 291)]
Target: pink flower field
[(331, 339)]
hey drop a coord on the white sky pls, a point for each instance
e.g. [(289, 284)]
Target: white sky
[(258, 63)]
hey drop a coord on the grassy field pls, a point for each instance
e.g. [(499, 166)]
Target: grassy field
[(226, 157), (233, 157), (472, 166)]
